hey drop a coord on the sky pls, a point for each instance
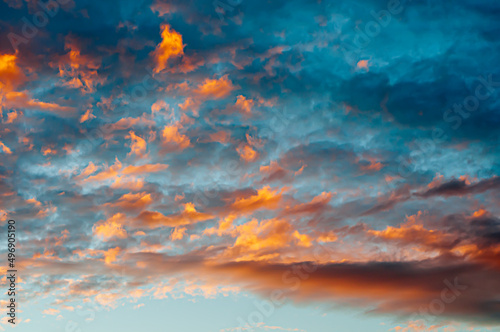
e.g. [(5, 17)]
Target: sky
[(253, 166)]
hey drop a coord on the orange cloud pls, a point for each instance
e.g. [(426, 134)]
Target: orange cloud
[(111, 255), (271, 168), (244, 105), (143, 169), (172, 140), (138, 145), (108, 172), (215, 88), (133, 201), (14, 99), (34, 201), (91, 168), (5, 148), (273, 171), (327, 237), (79, 71), (170, 47), (111, 228), (163, 8), (158, 106), (247, 153), (128, 183), (87, 116), (178, 233), (12, 116), (190, 104), (126, 123), (262, 241), (373, 165), (480, 213), (46, 150), (188, 216), (225, 226), (268, 234), (51, 311), (222, 137), (265, 198), (362, 64), (116, 172), (411, 232), (11, 78), (317, 204)]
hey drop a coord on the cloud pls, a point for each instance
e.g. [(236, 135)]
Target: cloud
[(77, 70), (170, 47), (5, 148), (188, 216), (132, 201), (117, 171), (263, 240), (111, 228), (461, 187), (12, 77), (247, 153), (265, 198), (173, 140), (244, 105), (87, 116), (138, 145), (216, 88)]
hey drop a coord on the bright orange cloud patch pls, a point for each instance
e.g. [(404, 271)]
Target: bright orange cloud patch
[(215, 88), (11, 76), (178, 233), (115, 171), (78, 71), (111, 255), (173, 140), (247, 153), (5, 148), (259, 241), (87, 116), (412, 232), (170, 47), (244, 105), (373, 165), (126, 123), (159, 106), (265, 198), (363, 64), (111, 228), (14, 99), (133, 201)]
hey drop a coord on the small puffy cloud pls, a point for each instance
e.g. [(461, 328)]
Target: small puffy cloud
[(215, 88), (87, 116), (50, 311), (138, 145), (111, 228), (173, 140)]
